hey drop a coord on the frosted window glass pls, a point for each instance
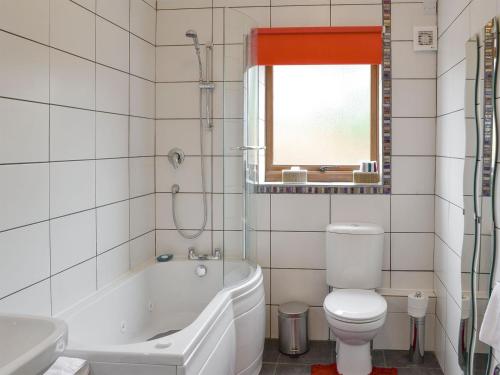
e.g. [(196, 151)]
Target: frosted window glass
[(321, 114)]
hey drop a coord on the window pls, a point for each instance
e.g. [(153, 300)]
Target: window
[(321, 116)]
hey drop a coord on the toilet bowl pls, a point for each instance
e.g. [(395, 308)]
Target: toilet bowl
[(354, 311), (355, 316)]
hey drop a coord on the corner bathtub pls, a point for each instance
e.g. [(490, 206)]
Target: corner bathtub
[(220, 330)]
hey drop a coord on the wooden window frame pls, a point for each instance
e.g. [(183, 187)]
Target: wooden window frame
[(336, 173)]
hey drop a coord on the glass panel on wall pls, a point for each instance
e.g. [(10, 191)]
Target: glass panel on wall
[(239, 162)]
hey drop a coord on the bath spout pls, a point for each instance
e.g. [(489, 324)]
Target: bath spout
[(192, 255)]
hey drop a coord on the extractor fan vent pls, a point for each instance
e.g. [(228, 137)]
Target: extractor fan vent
[(425, 38)]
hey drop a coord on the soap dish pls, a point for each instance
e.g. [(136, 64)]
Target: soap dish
[(294, 175), (365, 177)]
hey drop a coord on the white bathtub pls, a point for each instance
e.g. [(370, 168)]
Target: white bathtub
[(221, 329)]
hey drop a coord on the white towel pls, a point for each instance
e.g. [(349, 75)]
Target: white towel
[(68, 366), (490, 329)]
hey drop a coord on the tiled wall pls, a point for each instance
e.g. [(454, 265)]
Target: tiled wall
[(457, 22), (291, 227), (76, 147)]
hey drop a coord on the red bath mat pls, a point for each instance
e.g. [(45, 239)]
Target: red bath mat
[(332, 370)]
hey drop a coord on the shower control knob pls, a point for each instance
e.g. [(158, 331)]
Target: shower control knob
[(201, 270)]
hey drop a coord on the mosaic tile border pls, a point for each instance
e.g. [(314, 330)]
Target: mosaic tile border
[(488, 106), (385, 186)]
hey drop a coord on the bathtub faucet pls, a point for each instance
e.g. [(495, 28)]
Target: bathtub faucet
[(217, 255)]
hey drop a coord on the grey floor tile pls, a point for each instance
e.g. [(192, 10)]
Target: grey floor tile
[(268, 369), (319, 352), (400, 358), (293, 370), (271, 351), (378, 358), (419, 371)]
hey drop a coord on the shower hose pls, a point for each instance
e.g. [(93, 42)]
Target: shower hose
[(175, 188)]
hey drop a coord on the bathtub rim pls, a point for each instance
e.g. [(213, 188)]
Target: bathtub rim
[(183, 343)]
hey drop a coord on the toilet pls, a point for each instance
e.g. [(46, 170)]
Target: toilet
[(354, 310)]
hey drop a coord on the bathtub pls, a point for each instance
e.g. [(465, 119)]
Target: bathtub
[(209, 329)]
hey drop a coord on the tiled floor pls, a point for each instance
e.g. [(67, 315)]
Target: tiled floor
[(276, 363)]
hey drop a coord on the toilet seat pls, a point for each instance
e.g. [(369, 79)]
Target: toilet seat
[(355, 306)]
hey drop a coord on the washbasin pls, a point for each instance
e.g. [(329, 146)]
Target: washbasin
[(29, 344)]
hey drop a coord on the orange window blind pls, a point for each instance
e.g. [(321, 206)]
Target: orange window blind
[(317, 45)]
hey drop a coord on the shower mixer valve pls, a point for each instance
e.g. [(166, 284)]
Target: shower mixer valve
[(176, 157)]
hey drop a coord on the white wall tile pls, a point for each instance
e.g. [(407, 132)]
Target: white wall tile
[(142, 58), (406, 16), (238, 22), (72, 187), (413, 136), (112, 225), (412, 251), (299, 16), (412, 213), (178, 63), (66, 73), (24, 131), (112, 45), (233, 211), (142, 249), (414, 98), (184, 134), (25, 257), (72, 134), (412, 280), (176, 4), (111, 180), (170, 241), (263, 247), (112, 90), (142, 137), (410, 64), (298, 250), (142, 97), (24, 80), (451, 81), (24, 204), (188, 176), (89, 4), (72, 240), (72, 28), (142, 176), (142, 215), (34, 300), (177, 100), (28, 18), (143, 20), (116, 11), (361, 208), (112, 264), (173, 24), (298, 285), (72, 285), (259, 211), (356, 15), (112, 136), (300, 212), (413, 175)]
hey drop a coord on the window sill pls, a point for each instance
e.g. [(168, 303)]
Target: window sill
[(320, 188)]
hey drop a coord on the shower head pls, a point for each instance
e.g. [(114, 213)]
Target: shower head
[(193, 35)]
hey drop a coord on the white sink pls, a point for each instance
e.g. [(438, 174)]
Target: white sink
[(29, 344)]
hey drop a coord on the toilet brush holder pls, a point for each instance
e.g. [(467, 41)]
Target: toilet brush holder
[(417, 307)]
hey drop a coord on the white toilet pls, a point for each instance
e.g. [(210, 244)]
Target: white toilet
[(354, 310)]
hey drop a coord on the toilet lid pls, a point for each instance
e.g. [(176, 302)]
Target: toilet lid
[(355, 305)]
